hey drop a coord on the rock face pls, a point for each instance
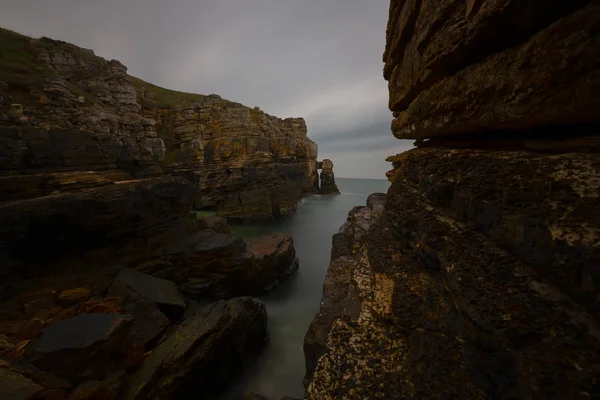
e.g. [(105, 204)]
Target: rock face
[(328, 185), (476, 276), (244, 163)]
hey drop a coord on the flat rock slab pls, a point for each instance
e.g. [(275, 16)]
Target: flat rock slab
[(79, 332), (160, 291), (85, 346)]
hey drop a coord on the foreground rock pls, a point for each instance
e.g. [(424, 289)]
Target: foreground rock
[(204, 353), (446, 77), (85, 345), (125, 344), (476, 276)]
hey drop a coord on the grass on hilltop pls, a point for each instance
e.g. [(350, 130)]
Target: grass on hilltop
[(18, 67), (166, 98)]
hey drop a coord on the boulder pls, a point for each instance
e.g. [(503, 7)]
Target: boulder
[(208, 350), (131, 283), (224, 266), (273, 261)]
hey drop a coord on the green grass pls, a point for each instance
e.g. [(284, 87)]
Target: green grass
[(18, 66), (166, 98)]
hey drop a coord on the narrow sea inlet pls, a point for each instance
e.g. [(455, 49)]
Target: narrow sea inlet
[(279, 370)]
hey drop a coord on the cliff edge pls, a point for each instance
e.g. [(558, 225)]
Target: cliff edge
[(477, 275), (62, 108)]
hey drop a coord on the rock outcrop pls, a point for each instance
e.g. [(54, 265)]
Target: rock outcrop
[(328, 185), (102, 259), (476, 276), (243, 162)]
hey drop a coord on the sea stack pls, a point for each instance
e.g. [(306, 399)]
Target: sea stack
[(328, 185)]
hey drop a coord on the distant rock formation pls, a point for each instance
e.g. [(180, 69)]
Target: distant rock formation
[(328, 185), (476, 275)]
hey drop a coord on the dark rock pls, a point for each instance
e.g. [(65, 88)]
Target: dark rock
[(20, 330), (35, 306), (26, 298), (107, 305), (15, 386), (462, 73), (73, 296), (85, 344), (148, 322), (160, 291), (90, 390), (206, 352)]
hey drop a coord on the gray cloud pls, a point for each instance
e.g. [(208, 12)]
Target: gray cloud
[(318, 59)]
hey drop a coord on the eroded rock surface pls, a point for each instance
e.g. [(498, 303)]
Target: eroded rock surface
[(205, 352), (328, 185), (456, 66), (476, 276)]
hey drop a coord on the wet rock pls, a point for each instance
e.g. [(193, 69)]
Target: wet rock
[(73, 296), (162, 292), (86, 345), (206, 352)]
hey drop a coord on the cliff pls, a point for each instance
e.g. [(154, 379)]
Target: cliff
[(476, 275), (105, 264), (245, 163)]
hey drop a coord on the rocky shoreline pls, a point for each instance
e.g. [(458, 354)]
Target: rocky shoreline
[(113, 284)]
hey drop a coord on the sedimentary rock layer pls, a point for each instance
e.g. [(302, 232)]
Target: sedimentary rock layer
[(245, 163), (456, 66), (476, 276)]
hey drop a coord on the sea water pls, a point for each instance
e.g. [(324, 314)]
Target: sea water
[(280, 368)]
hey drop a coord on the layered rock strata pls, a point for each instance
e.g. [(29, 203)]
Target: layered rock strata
[(103, 264), (476, 276), (94, 116)]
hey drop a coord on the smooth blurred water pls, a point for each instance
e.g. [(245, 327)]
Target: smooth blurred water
[(291, 307)]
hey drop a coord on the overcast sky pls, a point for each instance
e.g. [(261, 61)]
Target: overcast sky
[(317, 59)]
